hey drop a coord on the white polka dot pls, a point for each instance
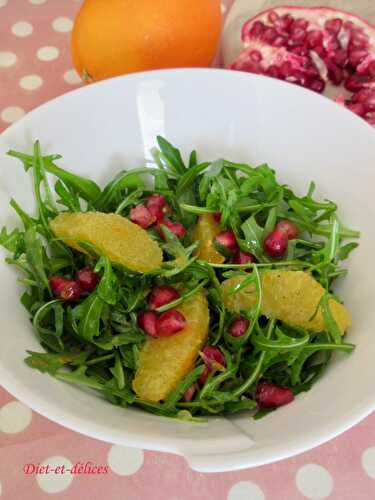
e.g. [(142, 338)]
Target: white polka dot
[(55, 482), (47, 53), (37, 2), (368, 461), (3, 3), (245, 490), (7, 59), (14, 417), (72, 77), (62, 24), (314, 481), (31, 82), (12, 114), (123, 460), (22, 28)]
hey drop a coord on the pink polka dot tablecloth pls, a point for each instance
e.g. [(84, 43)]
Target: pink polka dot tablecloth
[(35, 454)]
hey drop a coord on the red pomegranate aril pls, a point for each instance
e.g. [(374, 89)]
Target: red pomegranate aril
[(158, 206), (314, 38), (269, 35), (156, 212), (289, 228), (335, 73), (243, 257), (276, 243), (189, 394), (211, 356), (239, 326), (176, 227), (162, 295), (270, 395), (142, 216), (204, 376), (217, 217), (227, 241), (333, 25), (87, 279), (326, 49), (283, 23), (279, 41), (357, 108), (169, 323), (317, 86), (257, 29), (273, 17), (67, 290), (147, 322), (55, 282)]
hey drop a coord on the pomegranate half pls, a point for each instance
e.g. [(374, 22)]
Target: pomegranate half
[(322, 49)]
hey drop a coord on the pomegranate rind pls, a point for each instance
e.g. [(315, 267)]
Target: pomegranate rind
[(163, 362), (123, 242), (289, 296), (205, 231)]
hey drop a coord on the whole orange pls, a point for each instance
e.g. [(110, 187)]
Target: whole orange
[(114, 37)]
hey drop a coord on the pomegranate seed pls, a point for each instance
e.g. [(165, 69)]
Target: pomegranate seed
[(204, 376), (317, 85), (239, 326), (289, 228), (87, 279), (226, 240), (279, 41), (189, 394), (272, 17), (217, 217), (270, 395), (147, 322), (274, 72), (335, 74), (169, 323), (243, 257), (158, 206), (284, 23), (162, 295), (65, 289), (176, 227), (257, 29), (314, 38), (156, 212), (142, 216), (340, 58), (357, 56), (269, 35), (357, 108), (211, 356), (300, 24), (276, 244)]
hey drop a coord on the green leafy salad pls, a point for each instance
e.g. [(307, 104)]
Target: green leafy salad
[(185, 288)]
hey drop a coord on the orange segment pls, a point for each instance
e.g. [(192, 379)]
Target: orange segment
[(115, 236), (290, 296), (165, 361), (205, 231)]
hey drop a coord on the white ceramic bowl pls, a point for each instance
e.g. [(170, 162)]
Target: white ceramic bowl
[(112, 125)]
